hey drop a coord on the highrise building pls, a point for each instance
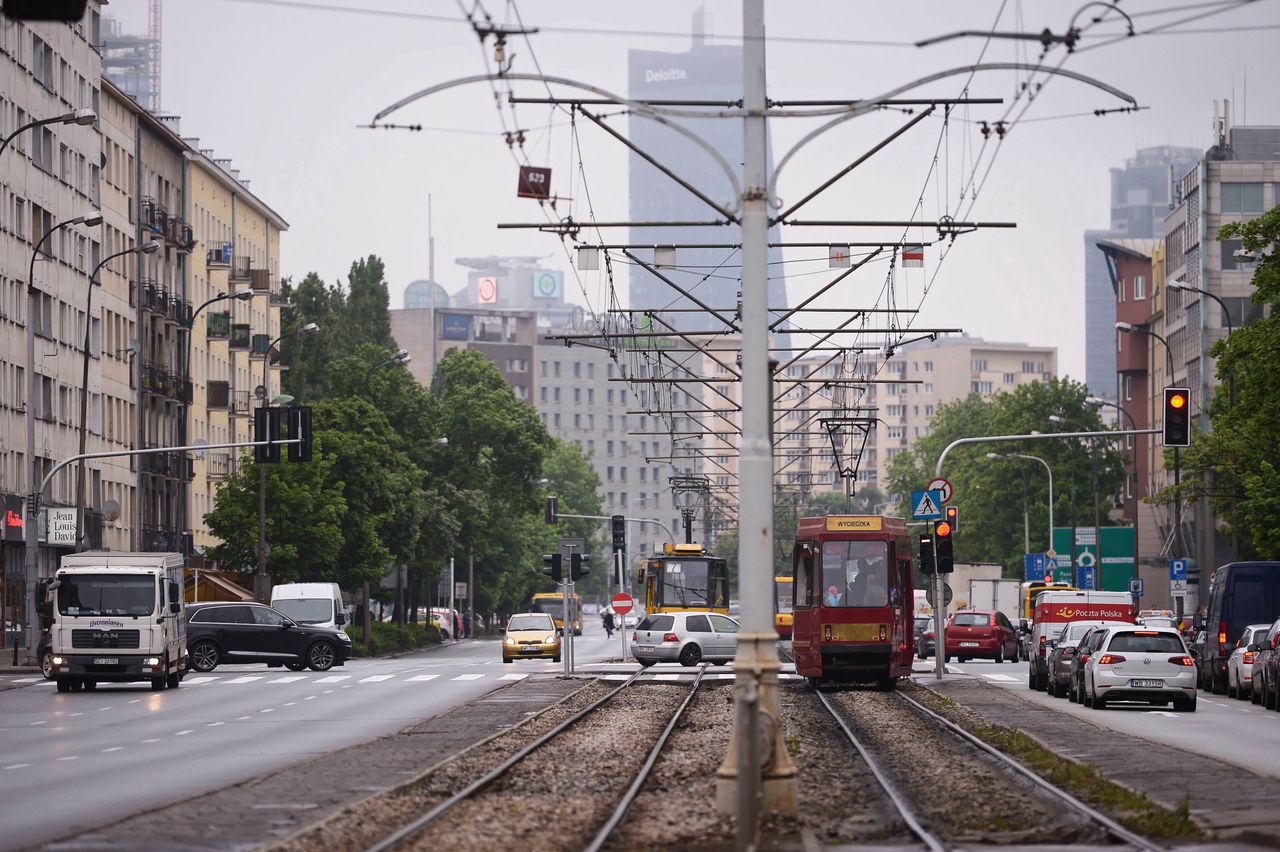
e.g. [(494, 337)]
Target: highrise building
[(1140, 199)]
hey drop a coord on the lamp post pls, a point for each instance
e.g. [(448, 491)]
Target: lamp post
[(81, 116), (1047, 469), (1179, 284), (149, 247), (308, 330), (31, 544), (400, 358), (1094, 400)]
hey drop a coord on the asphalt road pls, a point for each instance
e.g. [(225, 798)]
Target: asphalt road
[(71, 761), (1234, 731)]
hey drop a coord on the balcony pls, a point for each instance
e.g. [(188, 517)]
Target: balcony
[(240, 269), (156, 379), (240, 335), (218, 326), (261, 346), (218, 258), (157, 539), (240, 403), (218, 465), (277, 298), (186, 238), (260, 279), (147, 213), (218, 395), (178, 310), (180, 388), (153, 296)]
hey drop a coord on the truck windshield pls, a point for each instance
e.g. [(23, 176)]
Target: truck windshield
[(106, 594), (306, 610)]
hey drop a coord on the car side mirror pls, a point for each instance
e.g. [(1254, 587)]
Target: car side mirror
[(340, 619), (287, 625), (174, 607), (1253, 647), (1068, 651), (1052, 643)]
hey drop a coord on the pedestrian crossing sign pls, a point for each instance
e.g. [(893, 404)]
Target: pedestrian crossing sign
[(926, 505)]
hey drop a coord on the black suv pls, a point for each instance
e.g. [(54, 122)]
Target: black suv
[(256, 633)]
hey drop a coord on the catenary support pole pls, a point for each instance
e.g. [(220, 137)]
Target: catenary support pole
[(757, 773)]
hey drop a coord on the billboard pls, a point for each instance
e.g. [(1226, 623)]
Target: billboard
[(455, 326), (548, 284)]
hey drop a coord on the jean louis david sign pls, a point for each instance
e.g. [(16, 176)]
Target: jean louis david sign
[(60, 526)]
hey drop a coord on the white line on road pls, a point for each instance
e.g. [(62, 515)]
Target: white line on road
[(196, 681), (310, 698), (375, 678), (100, 709), (333, 679), (17, 766), (113, 748), (242, 718), (70, 757), (423, 677), (184, 733), (73, 715), (1001, 678), (152, 740), (41, 722), (290, 703), (268, 710), (214, 724), (28, 680), (135, 701), (246, 679), (468, 677), (504, 677), (288, 679)]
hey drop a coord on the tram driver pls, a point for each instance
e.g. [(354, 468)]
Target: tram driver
[(855, 573)]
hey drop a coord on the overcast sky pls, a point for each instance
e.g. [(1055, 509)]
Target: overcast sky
[(280, 90)]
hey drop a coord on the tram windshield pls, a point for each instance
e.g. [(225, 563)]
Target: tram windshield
[(685, 583), (855, 573), (782, 589)]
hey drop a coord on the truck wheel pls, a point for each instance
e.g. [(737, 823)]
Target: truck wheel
[(46, 665), (64, 685), (158, 683), (90, 685), (321, 656), (174, 680)]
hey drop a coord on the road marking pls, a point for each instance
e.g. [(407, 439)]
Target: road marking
[(1163, 713), (28, 680), (41, 722), (504, 677), (69, 757), (1001, 678), (246, 679), (288, 679), (375, 678), (268, 710), (100, 709), (152, 740), (423, 677), (290, 703), (328, 692), (333, 679), (214, 724), (184, 733), (310, 698), (113, 748), (73, 715), (17, 766), (468, 677), (616, 677), (242, 718), (135, 701), (195, 681)]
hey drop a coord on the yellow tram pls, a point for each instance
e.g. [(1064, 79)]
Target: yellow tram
[(684, 577)]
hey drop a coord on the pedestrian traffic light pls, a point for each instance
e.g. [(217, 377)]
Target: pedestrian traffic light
[(267, 421), (943, 539), (551, 566), (926, 555), (952, 515), (300, 427), (551, 510), (578, 565), (1177, 417), (619, 524)]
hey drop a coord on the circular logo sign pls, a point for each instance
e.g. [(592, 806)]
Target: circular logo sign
[(1085, 560), (487, 289), (546, 285)]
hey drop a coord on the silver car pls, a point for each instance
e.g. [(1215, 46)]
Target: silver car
[(1062, 649), (1137, 664), (685, 637), (1240, 663)]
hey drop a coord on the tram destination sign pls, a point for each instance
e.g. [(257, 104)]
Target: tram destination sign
[(847, 523)]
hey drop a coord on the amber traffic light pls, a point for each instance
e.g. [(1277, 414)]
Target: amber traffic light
[(943, 539), (1177, 417)]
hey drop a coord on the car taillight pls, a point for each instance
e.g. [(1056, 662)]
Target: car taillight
[(929, 635), (1182, 661), (670, 637), (634, 637), (1110, 659), (1249, 657), (1222, 633), (1084, 658)]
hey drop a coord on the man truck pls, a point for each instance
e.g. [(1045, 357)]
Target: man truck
[(118, 617)]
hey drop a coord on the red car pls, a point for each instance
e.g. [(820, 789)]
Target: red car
[(981, 633)]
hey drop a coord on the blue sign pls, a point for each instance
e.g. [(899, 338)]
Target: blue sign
[(455, 326), (1085, 580), (1177, 569), (226, 252), (1135, 586), (1035, 566), (926, 505)]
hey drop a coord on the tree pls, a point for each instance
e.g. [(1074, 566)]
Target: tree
[(369, 304), (1234, 464), (311, 301)]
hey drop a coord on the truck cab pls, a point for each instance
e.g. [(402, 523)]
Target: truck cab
[(118, 617)]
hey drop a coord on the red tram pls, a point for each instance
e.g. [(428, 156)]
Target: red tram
[(853, 600)]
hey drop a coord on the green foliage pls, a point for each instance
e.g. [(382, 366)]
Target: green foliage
[(1234, 463), (388, 637), (991, 494)]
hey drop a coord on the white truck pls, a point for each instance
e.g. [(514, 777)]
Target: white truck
[(1000, 595), (119, 617)]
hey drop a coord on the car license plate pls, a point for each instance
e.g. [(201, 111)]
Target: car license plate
[(530, 649), (644, 647), (1147, 684), (968, 644), (106, 661)]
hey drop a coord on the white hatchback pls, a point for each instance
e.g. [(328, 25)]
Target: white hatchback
[(1240, 663), (1137, 664), (685, 637)]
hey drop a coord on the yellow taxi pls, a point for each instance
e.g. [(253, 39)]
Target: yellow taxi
[(531, 635)]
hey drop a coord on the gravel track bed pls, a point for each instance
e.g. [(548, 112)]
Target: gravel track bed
[(366, 822), (558, 797), (677, 808), (959, 792)]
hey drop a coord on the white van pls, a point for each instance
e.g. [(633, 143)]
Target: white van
[(319, 604)]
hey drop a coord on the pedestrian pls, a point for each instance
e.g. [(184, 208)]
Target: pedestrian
[(608, 622), (466, 624)]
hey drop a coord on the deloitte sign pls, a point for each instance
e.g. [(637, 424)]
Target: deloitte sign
[(1105, 565)]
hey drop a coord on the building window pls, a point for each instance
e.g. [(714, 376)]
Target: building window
[(979, 365), (544, 369), (1139, 288), (928, 388), (983, 388), (577, 421), (542, 392), (555, 392), (1128, 387), (1009, 378), (577, 395), (928, 366), (577, 369), (556, 369), (1242, 198)]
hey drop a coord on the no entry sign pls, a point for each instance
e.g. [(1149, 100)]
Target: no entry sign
[(622, 603)]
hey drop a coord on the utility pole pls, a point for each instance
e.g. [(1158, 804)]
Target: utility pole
[(752, 778)]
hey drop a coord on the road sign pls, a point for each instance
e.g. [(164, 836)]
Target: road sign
[(946, 594), (1135, 586), (926, 505), (1051, 554), (1178, 570), (1035, 565), (622, 603), (1178, 587), (942, 485), (1087, 581)]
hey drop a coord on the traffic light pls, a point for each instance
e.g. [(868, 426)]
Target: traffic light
[(551, 510), (551, 566), (1177, 417), (951, 514), (578, 565), (926, 555), (619, 524), (943, 539), (300, 427), (267, 421)]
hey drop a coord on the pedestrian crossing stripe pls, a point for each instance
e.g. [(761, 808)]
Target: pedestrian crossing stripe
[(375, 678), (423, 677)]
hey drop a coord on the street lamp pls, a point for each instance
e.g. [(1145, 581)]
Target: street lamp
[(1179, 284), (149, 247), (81, 116), (1048, 470), (1094, 400), (401, 357), (29, 537), (306, 330), (1126, 327)]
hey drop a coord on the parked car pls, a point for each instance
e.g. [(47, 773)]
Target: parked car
[(1240, 594), (531, 636), (44, 653), (1136, 664), (981, 633), (1085, 648), (1265, 673), (1240, 663), (924, 636), (231, 632), (1157, 621), (1062, 651), (687, 637)]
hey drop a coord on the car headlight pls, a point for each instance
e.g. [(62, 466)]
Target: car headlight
[(152, 661), (510, 641), (58, 661), (550, 640)]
